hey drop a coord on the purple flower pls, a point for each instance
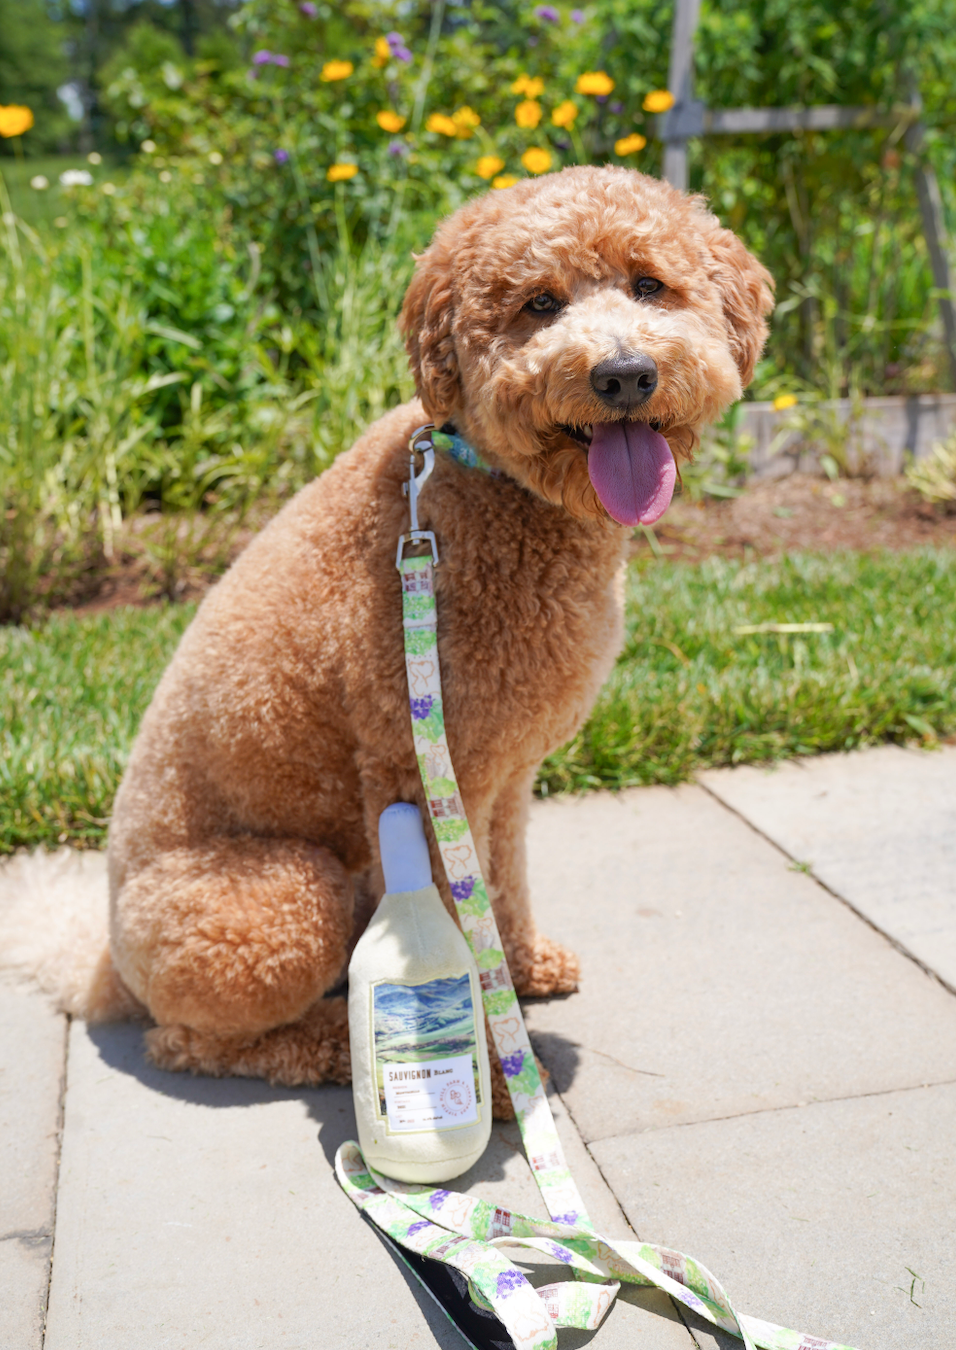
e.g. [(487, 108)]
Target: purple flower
[(438, 1198), (617, 108), (421, 707), (570, 1218), (394, 40), (601, 98), (548, 13), (508, 1281), (261, 58), (417, 1227), (397, 148), (280, 156), (278, 60), (563, 144), (512, 1063), (402, 54), (461, 890), (560, 1252), (308, 9), (577, 16)]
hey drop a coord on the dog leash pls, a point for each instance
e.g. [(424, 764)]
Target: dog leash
[(460, 1231)]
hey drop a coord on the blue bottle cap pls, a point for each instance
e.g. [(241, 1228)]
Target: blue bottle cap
[(404, 849)]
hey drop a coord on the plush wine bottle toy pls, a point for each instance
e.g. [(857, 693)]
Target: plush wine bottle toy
[(420, 1076)]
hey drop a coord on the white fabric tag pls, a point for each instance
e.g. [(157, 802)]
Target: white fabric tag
[(436, 1094)]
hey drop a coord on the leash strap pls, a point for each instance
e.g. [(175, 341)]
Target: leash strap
[(460, 1230)]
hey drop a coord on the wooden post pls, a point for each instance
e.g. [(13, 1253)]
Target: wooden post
[(680, 81), (937, 243)]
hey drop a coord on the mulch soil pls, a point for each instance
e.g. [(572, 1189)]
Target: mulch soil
[(800, 513), (795, 514)]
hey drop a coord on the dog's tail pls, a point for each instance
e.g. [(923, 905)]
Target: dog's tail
[(54, 933)]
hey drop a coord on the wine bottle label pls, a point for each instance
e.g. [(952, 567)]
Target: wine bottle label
[(426, 1054)]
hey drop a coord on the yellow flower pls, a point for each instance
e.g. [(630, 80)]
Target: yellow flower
[(565, 113), (658, 101), (15, 120), (465, 120), (628, 144), (488, 166), (528, 114), (784, 401), (336, 70), (443, 123), (504, 180), (594, 82), (383, 53), (536, 160), (530, 88), (340, 173), (390, 121)]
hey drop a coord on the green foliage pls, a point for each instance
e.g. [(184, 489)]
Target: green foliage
[(688, 691), (832, 214), (141, 364), (935, 477), (721, 464)]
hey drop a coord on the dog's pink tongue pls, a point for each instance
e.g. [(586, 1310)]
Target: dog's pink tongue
[(633, 471)]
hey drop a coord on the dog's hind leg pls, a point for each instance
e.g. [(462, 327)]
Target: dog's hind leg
[(230, 946)]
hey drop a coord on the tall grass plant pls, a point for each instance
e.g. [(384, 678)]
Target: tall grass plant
[(145, 370)]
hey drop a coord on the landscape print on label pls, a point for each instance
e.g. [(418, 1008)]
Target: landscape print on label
[(415, 1023)]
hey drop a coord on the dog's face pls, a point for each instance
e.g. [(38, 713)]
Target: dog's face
[(580, 329)]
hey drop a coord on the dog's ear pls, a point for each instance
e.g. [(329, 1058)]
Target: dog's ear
[(426, 325), (746, 291)]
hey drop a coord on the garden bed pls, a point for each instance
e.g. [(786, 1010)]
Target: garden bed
[(795, 514), (801, 513)]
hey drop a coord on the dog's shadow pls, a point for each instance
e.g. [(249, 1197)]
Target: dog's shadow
[(120, 1046)]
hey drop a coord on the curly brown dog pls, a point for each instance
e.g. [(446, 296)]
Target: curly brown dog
[(570, 328)]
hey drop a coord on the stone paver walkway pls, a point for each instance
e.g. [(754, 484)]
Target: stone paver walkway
[(759, 1068)]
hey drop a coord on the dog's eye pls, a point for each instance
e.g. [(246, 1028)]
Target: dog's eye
[(543, 303), (645, 286)]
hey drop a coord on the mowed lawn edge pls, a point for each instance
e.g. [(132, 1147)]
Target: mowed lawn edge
[(689, 691)]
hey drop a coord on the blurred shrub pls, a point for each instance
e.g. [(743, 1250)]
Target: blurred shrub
[(935, 477)]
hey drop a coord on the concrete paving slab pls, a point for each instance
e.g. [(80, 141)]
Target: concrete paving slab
[(715, 981), (198, 1211), (837, 1219), (878, 827), (32, 1055)]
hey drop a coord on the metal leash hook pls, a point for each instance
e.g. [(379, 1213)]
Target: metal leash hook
[(419, 444)]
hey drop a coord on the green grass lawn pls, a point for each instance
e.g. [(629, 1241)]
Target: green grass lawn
[(688, 691)]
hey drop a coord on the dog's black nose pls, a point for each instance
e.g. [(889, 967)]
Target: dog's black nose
[(624, 381)]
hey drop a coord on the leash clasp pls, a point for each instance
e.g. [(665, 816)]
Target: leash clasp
[(419, 444)]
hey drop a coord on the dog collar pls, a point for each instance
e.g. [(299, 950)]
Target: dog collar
[(447, 439)]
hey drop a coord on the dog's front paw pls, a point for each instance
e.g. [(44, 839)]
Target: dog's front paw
[(544, 967)]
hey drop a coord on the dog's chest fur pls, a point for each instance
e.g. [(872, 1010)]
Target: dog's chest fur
[(288, 700)]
